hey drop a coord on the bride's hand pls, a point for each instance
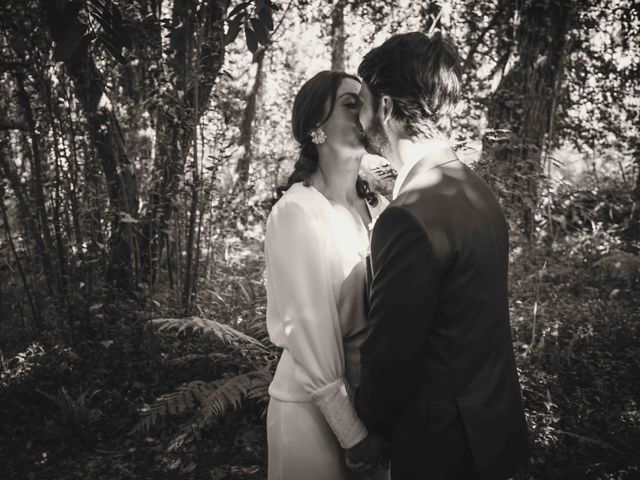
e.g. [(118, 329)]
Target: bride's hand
[(363, 457)]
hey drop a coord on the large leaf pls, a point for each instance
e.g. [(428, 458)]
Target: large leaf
[(66, 19), (238, 8), (119, 27), (261, 32), (272, 5), (266, 18), (234, 29), (250, 36), (109, 18), (68, 43), (209, 327), (111, 48)]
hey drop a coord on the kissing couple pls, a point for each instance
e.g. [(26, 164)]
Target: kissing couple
[(393, 317)]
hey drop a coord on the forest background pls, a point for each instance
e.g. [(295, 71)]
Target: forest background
[(141, 142)]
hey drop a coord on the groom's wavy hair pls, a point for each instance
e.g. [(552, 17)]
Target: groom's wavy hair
[(422, 76), (308, 114)]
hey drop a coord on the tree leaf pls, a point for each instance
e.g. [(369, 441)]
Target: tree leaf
[(238, 8), (120, 29), (261, 32), (111, 22), (250, 36), (232, 32), (68, 42), (67, 18), (113, 50), (273, 6), (106, 22), (266, 18)]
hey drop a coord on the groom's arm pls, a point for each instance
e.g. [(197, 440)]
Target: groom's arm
[(404, 292)]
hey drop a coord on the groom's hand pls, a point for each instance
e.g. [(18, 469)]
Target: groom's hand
[(365, 454)]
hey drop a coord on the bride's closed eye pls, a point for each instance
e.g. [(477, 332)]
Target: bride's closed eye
[(351, 102), (352, 106)]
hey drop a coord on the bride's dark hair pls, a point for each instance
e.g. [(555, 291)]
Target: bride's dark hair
[(308, 109)]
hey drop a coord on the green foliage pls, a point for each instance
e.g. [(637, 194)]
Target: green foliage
[(257, 20), (578, 366), (73, 421), (197, 405), (208, 327), (73, 30), (574, 283)]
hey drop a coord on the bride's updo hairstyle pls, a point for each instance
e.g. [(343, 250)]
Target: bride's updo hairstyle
[(309, 114)]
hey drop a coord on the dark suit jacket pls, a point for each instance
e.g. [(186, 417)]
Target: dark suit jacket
[(439, 377)]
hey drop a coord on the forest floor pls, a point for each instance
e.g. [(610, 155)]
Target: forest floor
[(579, 368)]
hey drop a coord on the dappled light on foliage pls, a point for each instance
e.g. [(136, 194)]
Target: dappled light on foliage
[(141, 144)]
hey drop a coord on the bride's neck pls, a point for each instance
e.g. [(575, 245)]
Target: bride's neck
[(336, 179)]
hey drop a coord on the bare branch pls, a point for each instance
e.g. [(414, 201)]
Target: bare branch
[(8, 124)]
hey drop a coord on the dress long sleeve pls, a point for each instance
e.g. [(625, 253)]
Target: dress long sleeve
[(302, 314)]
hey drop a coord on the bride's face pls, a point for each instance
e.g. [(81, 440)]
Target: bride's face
[(343, 127)]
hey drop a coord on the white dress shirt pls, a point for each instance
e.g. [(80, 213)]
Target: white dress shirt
[(402, 176)]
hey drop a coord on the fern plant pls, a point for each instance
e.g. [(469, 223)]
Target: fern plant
[(73, 421), (198, 404), (227, 334)]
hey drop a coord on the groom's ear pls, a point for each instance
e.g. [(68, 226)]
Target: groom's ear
[(386, 108)]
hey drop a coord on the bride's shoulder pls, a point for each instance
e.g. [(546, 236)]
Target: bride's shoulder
[(298, 201)]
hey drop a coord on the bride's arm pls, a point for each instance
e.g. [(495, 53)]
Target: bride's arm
[(299, 282)]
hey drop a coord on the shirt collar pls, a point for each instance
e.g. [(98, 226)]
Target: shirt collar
[(402, 176)]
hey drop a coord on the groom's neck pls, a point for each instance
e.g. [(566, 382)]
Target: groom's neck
[(432, 151)]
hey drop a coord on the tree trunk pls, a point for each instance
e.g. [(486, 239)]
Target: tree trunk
[(193, 214), (176, 120), (246, 127), (634, 227), (106, 138), (72, 174), (33, 305), (338, 35), (525, 100), (37, 190)]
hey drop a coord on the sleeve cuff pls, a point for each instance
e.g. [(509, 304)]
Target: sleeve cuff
[(335, 401)]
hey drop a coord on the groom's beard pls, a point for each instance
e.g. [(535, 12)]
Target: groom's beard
[(375, 139)]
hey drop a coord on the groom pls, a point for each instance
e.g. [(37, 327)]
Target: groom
[(439, 380)]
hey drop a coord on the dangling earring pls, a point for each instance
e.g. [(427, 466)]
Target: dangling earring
[(318, 136)]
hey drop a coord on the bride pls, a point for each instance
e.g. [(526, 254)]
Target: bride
[(316, 244)]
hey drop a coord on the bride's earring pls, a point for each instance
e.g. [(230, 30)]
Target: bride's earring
[(318, 136)]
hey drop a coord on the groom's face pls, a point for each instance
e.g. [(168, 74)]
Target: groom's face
[(374, 137)]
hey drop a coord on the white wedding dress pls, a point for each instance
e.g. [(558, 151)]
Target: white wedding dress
[(315, 254)]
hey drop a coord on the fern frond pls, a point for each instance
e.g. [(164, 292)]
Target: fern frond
[(231, 392), (227, 394), (175, 403), (194, 357), (206, 326)]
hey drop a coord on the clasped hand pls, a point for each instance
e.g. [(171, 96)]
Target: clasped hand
[(364, 457)]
